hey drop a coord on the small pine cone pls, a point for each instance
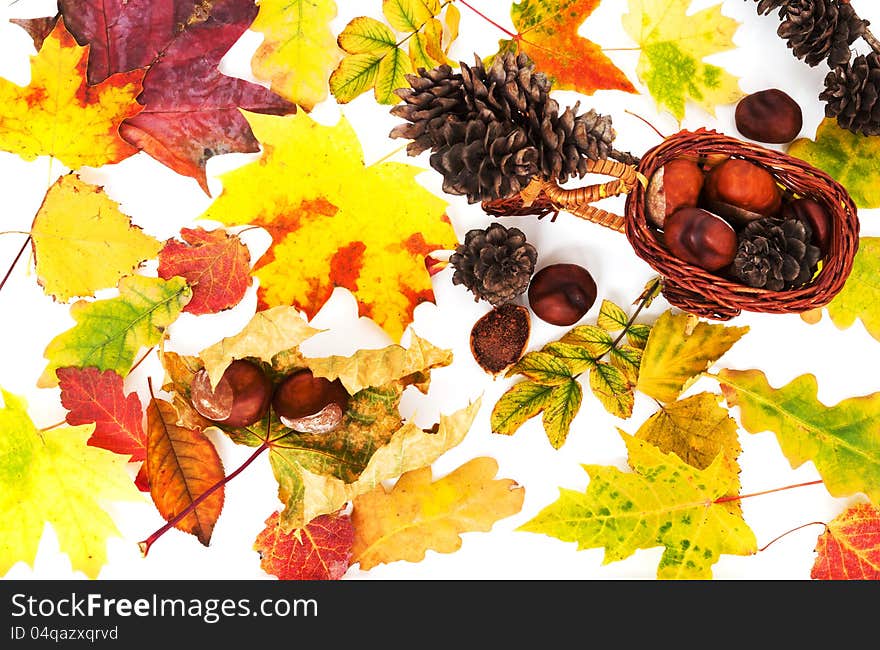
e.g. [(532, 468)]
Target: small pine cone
[(819, 30), (433, 98), (775, 254), (495, 264), (852, 95), (483, 161)]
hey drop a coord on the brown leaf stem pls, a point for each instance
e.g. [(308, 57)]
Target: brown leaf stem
[(515, 37), (778, 537), (739, 497), (15, 261)]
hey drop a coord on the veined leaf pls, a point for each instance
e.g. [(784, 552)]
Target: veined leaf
[(408, 15), (520, 403), (848, 549), (391, 75), (542, 368), (611, 317), (365, 35), (595, 339), (577, 358), (612, 389), (562, 406), (354, 75)]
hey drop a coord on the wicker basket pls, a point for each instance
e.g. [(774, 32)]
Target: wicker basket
[(689, 287)]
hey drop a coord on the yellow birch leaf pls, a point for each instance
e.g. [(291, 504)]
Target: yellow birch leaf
[(60, 115), (674, 45), (298, 51), (78, 221), (417, 515), (54, 476), (334, 222)]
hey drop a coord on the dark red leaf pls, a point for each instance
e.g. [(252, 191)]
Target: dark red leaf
[(320, 551), (215, 264), (91, 395)]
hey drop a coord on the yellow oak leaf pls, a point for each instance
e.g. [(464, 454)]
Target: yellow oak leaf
[(60, 115), (418, 515), (54, 476), (299, 49), (674, 45), (78, 221), (334, 222)]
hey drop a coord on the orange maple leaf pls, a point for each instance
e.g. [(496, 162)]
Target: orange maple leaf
[(60, 115)]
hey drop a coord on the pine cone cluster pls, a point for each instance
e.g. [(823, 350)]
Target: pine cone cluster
[(775, 253), (852, 95), (495, 263), (492, 130)]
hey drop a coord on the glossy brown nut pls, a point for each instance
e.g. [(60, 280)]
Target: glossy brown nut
[(239, 399), (815, 216), (700, 238), (561, 294), (302, 394), (769, 116), (677, 184), (745, 185)]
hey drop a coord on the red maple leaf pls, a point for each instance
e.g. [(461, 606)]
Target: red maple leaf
[(91, 395), (849, 549), (320, 551), (215, 264), (190, 107)]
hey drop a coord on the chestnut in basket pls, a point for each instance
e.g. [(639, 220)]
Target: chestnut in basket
[(700, 238), (677, 184), (239, 399), (815, 216), (744, 185), (770, 116)]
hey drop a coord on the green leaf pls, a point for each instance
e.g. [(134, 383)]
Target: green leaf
[(849, 158), (673, 47), (577, 358), (543, 368), (408, 15), (676, 355), (595, 339), (520, 403), (393, 68), (664, 502), (612, 389), (841, 440), (109, 333), (364, 35), (355, 74), (564, 403), (611, 317)]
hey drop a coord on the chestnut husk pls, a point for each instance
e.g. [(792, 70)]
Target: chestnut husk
[(499, 338)]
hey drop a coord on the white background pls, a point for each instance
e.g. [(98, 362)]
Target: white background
[(162, 202)]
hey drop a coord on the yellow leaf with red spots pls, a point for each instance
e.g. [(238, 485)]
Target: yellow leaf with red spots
[(547, 30), (58, 114), (335, 222)]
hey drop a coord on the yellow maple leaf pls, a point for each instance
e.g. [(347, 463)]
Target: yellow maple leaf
[(54, 476), (674, 45), (78, 221), (60, 115), (335, 222), (418, 515), (299, 49)]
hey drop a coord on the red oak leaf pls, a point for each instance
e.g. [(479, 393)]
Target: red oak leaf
[(91, 395), (320, 551), (190, 107), (215, 264), (849, 549)]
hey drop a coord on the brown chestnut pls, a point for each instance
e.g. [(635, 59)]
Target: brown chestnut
[(815, 216), (769, 116), (308, 403), (561, 294), (700, 238), (745, 185), (677, 184), (239, 399)]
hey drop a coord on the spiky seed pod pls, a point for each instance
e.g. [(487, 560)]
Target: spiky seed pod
[(775, 254), (495, 263), (852, 92)]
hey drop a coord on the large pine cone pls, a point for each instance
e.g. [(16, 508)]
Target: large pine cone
[(495, 264), (506, 101), (852, 92), (775, 254)]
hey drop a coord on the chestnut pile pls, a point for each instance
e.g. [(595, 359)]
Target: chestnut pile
[(245, 392), (730, 216)]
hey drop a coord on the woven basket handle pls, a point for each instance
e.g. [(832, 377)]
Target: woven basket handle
[(578, 200)]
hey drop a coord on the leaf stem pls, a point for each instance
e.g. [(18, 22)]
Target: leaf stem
[(145, 545), (15, 261), (739, 497), (647, 296), (489, 20), (778, 537)]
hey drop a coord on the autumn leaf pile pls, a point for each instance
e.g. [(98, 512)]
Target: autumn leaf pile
[(279, 213)]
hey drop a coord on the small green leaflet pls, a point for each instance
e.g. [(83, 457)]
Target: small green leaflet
[(109, 333)]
